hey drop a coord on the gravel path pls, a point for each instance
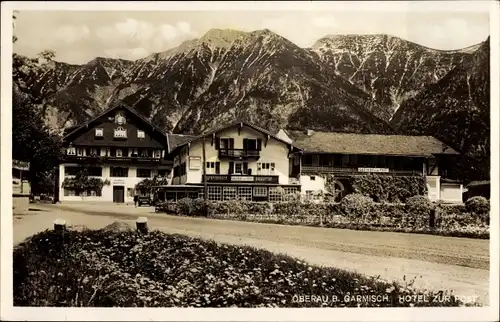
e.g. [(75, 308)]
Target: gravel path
[(436, 262)]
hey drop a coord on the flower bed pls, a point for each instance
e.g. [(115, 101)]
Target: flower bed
[(102, 268), (355, 211)]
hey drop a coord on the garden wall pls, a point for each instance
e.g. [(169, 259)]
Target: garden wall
[(418, 215)]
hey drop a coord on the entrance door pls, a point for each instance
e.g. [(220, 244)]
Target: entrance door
[(119, 194)]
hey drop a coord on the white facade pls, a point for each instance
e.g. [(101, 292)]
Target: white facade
[(313, 183), (273, 153), (128, 183)]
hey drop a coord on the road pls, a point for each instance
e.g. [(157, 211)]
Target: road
[(435, 262)]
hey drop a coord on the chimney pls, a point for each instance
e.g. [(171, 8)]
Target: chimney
[(309, 132)]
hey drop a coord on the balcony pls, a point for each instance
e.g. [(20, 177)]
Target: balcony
[(361, 171), (239, 154), (110, 159), (228, 178)]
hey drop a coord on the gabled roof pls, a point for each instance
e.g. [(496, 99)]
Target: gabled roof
[(175, 140), (113, 107), (352, 143), (229, 125)]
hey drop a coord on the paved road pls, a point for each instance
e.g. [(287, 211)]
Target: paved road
[(461, 264)]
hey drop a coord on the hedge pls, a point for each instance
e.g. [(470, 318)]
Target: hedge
[(355, 211)]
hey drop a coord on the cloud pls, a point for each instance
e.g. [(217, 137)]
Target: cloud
[(127, 53), (134, 38), (71, 34)]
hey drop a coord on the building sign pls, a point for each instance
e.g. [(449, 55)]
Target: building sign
[(118, 181), (373, 169), (20, 165), (242, 178), (194, 163)]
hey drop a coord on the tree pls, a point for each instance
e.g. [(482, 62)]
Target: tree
[(32, 140), (150, 185), (82, 183)]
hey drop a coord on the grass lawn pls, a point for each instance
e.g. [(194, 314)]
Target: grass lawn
[(124, 268)]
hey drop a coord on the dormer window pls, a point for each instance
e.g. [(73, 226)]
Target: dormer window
[(120, 118), (120, 132), (140, 134), (119, 153), (157, 154), (99, 132), (71, 151), (79, 152)]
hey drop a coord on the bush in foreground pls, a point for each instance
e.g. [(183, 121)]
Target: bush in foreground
[(106, 268)]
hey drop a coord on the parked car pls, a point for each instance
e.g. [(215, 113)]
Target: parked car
[(145, 200)]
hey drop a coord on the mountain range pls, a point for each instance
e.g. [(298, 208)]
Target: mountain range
[(353, 83)]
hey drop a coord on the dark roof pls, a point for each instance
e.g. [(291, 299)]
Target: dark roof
[(478, 183), (234, 123), (352, 143), (175, 140), (113, 107)]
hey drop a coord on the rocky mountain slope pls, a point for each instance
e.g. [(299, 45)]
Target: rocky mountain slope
[(388, 68), (456, 109), (356, 83), (259, 76)]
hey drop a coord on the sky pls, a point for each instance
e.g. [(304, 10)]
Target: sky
[(79, 36)]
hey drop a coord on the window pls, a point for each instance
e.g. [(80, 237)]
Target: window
[(214, 193), (71, 171), (260, 192), (157, 154), (265, 167), (289, 192), (309, 194), (140, 134), (250, 144), (120, 133), (312, 178), (94, 151), (99, 132), (308, 159), (238, 168), (229, 193), (79, 151), (163, 173), (143, 173), (245, 193), (119, 153), (213, 167), (94, 171), (274, 194), (119, 172), (71, 151), (144, 153)]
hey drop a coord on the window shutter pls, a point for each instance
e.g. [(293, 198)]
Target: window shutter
[(217, 167), (231, 167), (259, 144), (217, 143), (245, 144), (231, 143), (245, 167)]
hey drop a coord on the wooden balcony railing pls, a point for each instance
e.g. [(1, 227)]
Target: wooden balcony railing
[(227, 178), (238, 153), (113, 159), (361, 170)]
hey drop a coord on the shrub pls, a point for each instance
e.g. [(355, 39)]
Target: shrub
[(185, 206), (389, 188), (478, 205), (356, 205), (98, 268)]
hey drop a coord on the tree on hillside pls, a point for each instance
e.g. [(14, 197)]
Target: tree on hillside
[(32, 140)]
